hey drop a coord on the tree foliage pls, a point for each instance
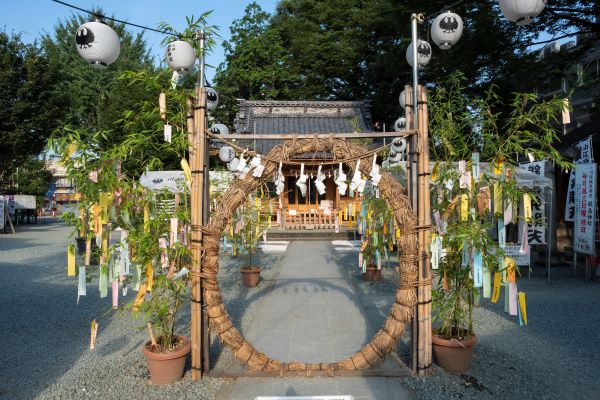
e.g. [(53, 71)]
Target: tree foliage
[(96, 98), (29, 102), (256, 61), (353, 50)]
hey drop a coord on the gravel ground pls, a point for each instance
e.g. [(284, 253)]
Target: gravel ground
[(45, 334), (555, 357)]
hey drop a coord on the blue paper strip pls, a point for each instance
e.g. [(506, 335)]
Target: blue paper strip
[(478, 270)]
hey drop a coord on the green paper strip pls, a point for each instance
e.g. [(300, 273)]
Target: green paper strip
[(487, 283), (103, 281)]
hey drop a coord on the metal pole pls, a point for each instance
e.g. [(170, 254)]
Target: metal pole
[(415, 19), (550, 227)]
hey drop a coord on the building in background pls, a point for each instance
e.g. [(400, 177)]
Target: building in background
[(64, 192)]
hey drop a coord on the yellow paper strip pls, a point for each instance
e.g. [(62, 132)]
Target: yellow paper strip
[(498, 167), (150, 276), (464, 207), (71, 260), (139, 299), (186, 170), (498, 211), (146, 218), (104, 202), (527, 207), (497, 282), (435, 172), (523, 307), (97, 210)]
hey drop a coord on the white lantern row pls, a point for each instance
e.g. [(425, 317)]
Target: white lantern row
[(447, 27)]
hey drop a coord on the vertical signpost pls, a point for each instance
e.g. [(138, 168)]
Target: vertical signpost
[(585, 209)]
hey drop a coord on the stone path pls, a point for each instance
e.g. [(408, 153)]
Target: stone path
[(312, 314)]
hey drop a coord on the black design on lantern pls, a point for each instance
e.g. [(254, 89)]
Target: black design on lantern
[(211, 96), (449, 24), (424, 49), (84, 37)]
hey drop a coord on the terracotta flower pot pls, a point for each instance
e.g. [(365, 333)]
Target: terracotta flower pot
[(166, 367), (372, 275), (250, 276), (453, 355)]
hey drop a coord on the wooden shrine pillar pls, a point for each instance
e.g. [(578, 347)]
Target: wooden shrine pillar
[(418, 191)]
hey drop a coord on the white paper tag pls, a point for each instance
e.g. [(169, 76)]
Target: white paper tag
[(81, 287), (168, 130)]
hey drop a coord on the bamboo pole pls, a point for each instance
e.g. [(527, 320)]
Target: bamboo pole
[(197, 155), (424, 356), (410, 191)]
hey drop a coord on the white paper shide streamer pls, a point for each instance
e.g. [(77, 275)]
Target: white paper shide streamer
[(341, 181), (319, 181), (279, 180), (375, 173), (357, 183), (258, 167), (301, 183)]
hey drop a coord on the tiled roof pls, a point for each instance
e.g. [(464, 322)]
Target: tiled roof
[(272, 117)]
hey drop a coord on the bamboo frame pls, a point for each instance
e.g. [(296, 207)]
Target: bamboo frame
[(197, 166), (206, 301), (401, 312)]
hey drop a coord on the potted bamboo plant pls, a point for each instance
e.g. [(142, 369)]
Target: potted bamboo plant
[(376, 235), (249, 223), (142, 233), (468, 199)]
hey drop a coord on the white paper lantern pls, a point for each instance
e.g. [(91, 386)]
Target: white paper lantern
[(423, 53), (402, 99), (212, 99), (98, 44), (400, 124), (522, 12), (398, 145), (226, 154), (181, 56), (219, 129), (446, 30)]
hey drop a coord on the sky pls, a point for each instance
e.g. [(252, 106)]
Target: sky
[(33, 17)]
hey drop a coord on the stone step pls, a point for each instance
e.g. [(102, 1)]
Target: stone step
[(312, 235)]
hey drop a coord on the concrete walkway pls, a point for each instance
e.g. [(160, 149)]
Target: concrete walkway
[(312, 314)]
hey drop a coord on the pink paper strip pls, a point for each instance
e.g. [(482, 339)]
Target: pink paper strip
[(115, 293), (512, 299)]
